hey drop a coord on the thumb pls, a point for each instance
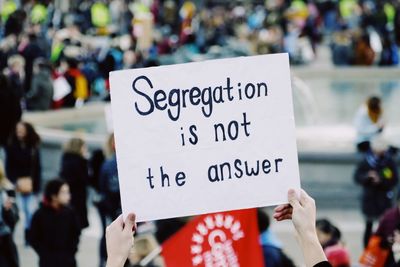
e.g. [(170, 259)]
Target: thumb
[(130, 222), (292, 198), (304, 197)]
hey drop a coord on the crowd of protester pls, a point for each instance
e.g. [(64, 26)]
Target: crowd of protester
[(377, 174), (55, 211), (59, 53)]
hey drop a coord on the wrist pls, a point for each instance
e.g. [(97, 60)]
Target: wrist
[(115, 262), (312, 249), (308, 236)]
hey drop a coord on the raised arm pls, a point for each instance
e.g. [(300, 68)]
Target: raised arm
[(302, 212)]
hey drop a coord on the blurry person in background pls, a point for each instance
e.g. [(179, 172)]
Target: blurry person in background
[(396, 22), (95, 163), (8, 220), (271, 247), (364, 54), (23, 167), (378, 175), (394, 261), (109, 184), (144, 245), (40, 97), (328, 234), (388, 230), (110, 203), (389, 221), (15, 23), (74, 170), (55, 230), (9, 210), (369, 123), (341, 48), (330, 238), (30, 50), (10, 110), (8, 47), (15, 74), (389, 55), (78, 82)]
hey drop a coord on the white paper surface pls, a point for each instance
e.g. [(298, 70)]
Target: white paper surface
[(61, 88), (154, 141)]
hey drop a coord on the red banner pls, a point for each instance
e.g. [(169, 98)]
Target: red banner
[(224, 239)]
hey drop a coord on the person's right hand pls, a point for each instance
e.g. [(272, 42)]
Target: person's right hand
[(301, 211)]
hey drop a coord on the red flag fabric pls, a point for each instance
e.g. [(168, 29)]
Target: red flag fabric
[(224, 239)]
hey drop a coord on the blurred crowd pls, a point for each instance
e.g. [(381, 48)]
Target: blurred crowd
[(56, 54), (59, 53), (55, 211)]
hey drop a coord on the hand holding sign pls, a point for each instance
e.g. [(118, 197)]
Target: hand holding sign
[(204, 137)]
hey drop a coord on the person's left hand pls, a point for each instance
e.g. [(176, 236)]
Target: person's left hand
[(119, 240)]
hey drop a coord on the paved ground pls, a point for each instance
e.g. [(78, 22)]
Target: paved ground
[(349, 221)]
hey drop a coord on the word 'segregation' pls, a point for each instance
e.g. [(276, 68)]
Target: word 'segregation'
[(177, 99)]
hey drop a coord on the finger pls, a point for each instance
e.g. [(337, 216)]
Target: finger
[(282, 213), (118, 223), (287, 209), (281, 207), (304, 197), (130, 222), (285, 217), (292, 198)]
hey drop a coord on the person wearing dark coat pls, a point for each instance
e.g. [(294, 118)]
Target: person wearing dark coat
[(74, 170), (40, 97), (8, 220), (15, 23), (377, 174), (109, 205), (31, 52), (10, 110), (23, 155), (23, 160), (55, 230), (388, 225), (15, 73)]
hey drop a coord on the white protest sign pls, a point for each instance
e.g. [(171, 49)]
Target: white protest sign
[(204, 137)]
